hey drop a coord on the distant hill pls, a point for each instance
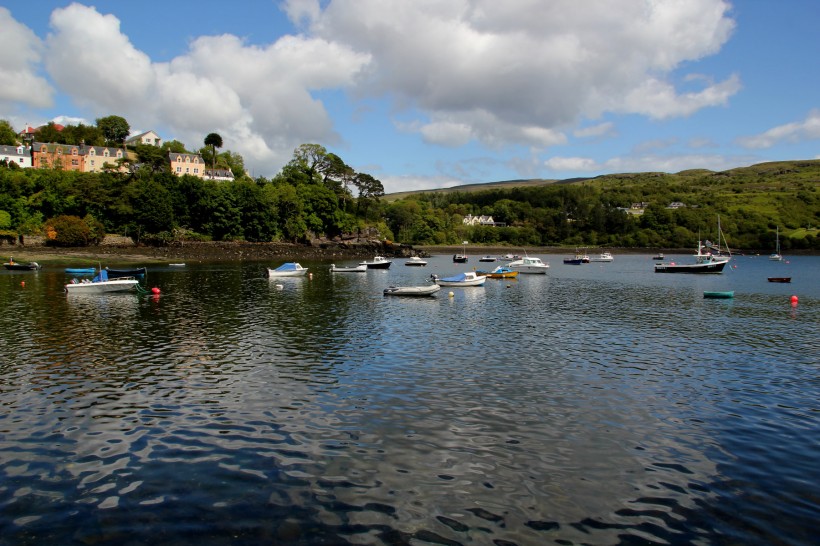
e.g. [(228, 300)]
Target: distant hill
[(783, 172)]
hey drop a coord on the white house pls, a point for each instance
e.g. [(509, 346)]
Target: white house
[(471, 220), (148, 137), (20, 155), (223, 175)]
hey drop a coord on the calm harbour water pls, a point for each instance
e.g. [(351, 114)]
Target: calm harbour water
[(600, 404)]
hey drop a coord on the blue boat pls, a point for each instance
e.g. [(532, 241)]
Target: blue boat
[(81, 270), (719, 295)]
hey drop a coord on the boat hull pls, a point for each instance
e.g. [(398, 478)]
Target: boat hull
[(412, 291), (719, 295), (81, 270), (780, 279), (119, 273), (273, 273), (712, 267), (102, 287), (357, 269), (33, 266)]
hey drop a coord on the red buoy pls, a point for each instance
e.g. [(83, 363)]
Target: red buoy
[(155, 290), (794, 300)]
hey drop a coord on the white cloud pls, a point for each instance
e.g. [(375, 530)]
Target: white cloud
[(808, 129), (528, 64), (596, 131), (394, 184), (20, 54), (572, 164)]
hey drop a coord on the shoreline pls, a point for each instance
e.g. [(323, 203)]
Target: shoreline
[(204, 252)]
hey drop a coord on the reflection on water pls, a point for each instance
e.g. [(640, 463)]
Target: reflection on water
[(596, 405)]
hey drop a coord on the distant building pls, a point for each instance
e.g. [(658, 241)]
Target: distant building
[(676, 205), (95, 158), (222, 175), (21, 155), (73, 157), (471, 220), (186, 163), (148, 137)]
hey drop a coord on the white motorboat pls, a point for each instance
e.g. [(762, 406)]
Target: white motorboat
[(101, 284), (529, 264), (488, 259), (605, 256), (427, 290), (288, 269), (349, 269), (378, 262), (415, 261), (468, 278)]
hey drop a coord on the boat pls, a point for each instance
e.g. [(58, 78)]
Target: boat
[(510, 257), (580, 258), (719, 295), (461, 258), (605, 256), (709, 258), (348, 269), (101, 284), (134, 272), (288, 269), (415, 261), (427, 290), (468, 278), (529, 264), (15, 266), (500, 272), (81, 270), (658, 256), (775, 256), (780, 279), (378, 262), (488, 259), (176, 265)]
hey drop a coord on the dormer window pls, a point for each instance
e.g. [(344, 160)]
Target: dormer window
[(92, 152)]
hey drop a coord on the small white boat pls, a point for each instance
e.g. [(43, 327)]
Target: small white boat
[(288, 269), (488, 259), (415, 261), (348, 269), (529, 264), (468, 278), (427, 290), (177, 265), (776, 256), (378, 262), (101, 285), (605, 256)]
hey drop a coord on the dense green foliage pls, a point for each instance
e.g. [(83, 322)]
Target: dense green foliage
[(313, 196), (310, 197), (751, 203)]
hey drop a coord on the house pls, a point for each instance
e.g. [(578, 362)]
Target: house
[(187, 163), (95, 158), (674, 205), (65, 157), (471, 220), (30, 133), (21, 155), (73, 157), (222, 175), (148, 137)]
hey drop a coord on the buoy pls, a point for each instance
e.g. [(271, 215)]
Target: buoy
[(280, 286), (155, 290), (310, 275), (794, 300), (23, 284), (451, 294)]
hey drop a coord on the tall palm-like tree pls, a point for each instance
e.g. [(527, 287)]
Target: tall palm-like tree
[(214, 141)]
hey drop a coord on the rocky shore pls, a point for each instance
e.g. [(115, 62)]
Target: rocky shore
[(206, 252)]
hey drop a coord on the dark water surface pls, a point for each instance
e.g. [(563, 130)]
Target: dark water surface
[(600, 404)]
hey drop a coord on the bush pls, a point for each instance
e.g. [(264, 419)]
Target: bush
[(67, 231)]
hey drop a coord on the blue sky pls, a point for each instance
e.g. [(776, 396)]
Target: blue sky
[(433, 93)]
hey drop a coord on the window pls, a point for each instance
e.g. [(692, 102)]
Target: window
[(91, 152), (179, 169), (196, 171)]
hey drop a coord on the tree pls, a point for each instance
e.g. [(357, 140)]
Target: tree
[(7, 135), (214, 141), (114, 128), (369, 188)]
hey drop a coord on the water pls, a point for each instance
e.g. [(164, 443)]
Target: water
[(600, 404)]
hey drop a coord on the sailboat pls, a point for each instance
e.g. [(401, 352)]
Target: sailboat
[(461, 258), (775, 256), (709, 258)]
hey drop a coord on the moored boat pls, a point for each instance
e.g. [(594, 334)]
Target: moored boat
[(427, 290), (348, 269), (415, 261), (16, 266), (468, 278), (604, 256), (500, 272), (780, 279), (378, 262), (81, 270), (133, 272), (658, 256), (488, 259), (530, 265), (288, 269), (719, 295), (776, 256), (101, 284)]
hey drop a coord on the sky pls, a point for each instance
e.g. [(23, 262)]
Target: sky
[(426, 94)]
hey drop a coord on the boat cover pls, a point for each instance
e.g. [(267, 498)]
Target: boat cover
[(289, 266)]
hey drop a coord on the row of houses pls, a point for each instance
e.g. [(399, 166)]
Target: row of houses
[(95, 159)]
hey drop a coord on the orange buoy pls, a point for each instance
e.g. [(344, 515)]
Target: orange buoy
[(23, 284)]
